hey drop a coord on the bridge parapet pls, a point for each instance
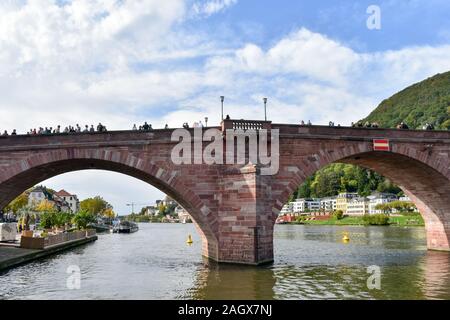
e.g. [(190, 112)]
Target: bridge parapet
[(246, 124)]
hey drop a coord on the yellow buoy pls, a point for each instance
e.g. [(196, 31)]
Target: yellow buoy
[(345, 238), (189, 240)]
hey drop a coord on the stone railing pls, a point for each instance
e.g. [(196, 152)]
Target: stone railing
[(246, 125)]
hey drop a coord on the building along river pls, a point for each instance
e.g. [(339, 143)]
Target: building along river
[(311, 262)]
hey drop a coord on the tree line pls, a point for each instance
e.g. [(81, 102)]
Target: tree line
[(339, 177)]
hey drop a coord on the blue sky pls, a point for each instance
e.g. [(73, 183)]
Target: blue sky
[(130, 61), (405, 23)]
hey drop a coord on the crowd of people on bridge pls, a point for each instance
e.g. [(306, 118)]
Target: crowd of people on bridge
[(58, 130), (148, 127)]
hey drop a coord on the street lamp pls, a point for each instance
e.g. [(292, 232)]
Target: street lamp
[(265, 109), (132, 206), (206, 121), (222, 98)]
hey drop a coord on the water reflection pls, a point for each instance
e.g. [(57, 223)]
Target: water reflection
[(436, 269), (232, 282), (311, 262)]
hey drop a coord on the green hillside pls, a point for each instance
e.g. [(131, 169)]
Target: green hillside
[(426, 101)]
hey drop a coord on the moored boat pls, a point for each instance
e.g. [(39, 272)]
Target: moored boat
[(99, 227), (127, 227)]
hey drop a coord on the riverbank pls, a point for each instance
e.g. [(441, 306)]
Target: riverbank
[(401, 221), (12, 256)]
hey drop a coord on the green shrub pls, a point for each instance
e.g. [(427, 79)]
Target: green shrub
[(338, 214), (50, 219), (376, 219)]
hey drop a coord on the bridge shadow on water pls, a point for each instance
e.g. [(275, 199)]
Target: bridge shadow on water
[(233, 282)]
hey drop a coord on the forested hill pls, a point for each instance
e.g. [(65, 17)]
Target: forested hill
[(426, 101)]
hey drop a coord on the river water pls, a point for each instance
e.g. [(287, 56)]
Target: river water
[(311, 262)]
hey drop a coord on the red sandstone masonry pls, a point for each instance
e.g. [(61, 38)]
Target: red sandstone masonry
[(234, 208)]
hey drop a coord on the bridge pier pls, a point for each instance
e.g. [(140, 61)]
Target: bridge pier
[(438, 237), (437, 221), (245, 218)]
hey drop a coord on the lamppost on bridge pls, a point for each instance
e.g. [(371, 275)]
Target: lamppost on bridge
[(206, 121), (222, 98), (265, 109)]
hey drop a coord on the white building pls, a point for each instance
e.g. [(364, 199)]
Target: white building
[(182, 214), (37, 195), (328, 204), (70, 199), (377, 198), (357, 206), (305, 205), (40, 193), (287, 208), (151, 211), (342, 200)]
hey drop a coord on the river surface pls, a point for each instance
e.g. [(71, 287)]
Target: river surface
[(311, 262)]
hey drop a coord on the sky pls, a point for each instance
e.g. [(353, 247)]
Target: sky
[(122, 62)]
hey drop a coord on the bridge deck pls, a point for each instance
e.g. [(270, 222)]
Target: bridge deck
[(130, 137)]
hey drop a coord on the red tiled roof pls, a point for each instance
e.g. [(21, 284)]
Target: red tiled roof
[(63, 193)]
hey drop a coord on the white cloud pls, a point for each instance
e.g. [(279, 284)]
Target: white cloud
[(211, 7), (303, 52)]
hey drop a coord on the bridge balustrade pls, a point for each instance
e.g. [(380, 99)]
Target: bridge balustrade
[(246, 125)]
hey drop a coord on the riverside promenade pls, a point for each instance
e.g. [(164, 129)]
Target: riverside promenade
[(11, 255)]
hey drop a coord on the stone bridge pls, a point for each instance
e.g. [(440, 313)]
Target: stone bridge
[(234, 206)]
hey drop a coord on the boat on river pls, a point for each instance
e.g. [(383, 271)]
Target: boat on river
[(126, 227), (100, 227)]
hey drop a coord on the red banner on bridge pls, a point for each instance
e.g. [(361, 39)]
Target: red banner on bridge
[(381, 145)]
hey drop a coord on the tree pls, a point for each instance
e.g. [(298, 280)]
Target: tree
[(335, 178), (62, 218), (45, 206), (402, 206), (18, 203), (109, 213), (304, 191), (424, 102), (162, 208), (446, 125), (385, 207), (83, 218), (95, 205), (48, 219)]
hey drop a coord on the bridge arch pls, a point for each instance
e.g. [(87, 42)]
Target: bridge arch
[(38, 167), (423, 174)]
